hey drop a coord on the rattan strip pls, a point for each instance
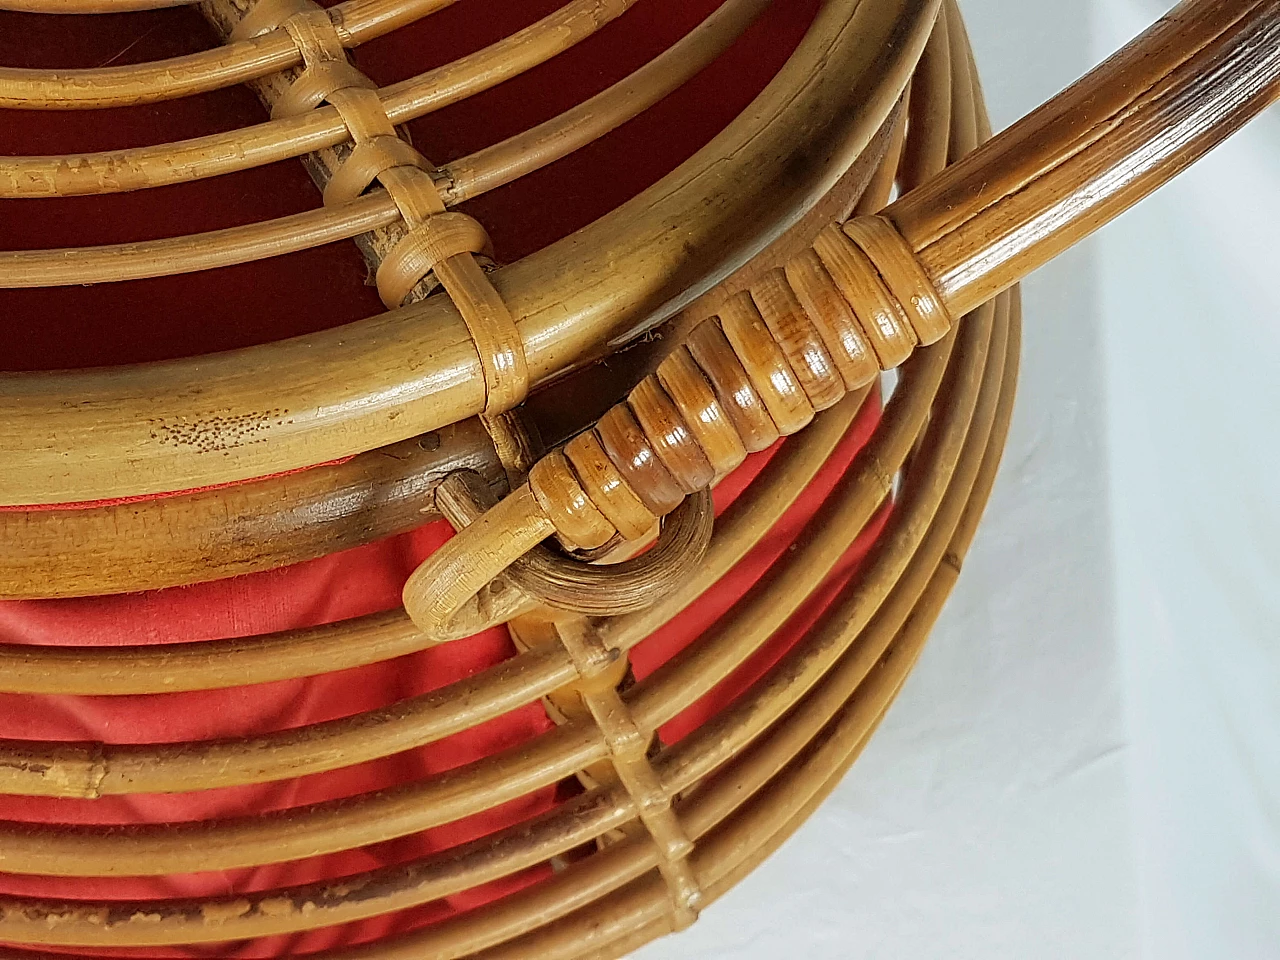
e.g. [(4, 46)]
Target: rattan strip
[(629, 272), (280, 139), (460, 180), (357, 21)]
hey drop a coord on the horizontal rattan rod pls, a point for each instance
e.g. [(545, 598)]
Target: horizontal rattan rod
[(357, 21), (110, 263), (1095, 150), (610, 280), (183, 546), (297, 833), (89, 6), (461, 180), (325, 903), (206, 535), (533, 149), (153, 166), (41, 768)]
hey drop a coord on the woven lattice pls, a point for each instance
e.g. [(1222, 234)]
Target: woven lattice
[(746, 306)]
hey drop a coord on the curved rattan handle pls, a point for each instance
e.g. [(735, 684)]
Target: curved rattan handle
[(869, 291)]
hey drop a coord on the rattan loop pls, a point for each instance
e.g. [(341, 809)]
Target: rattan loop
[(611, 590), (440, 237), (366, 163), (453, 592)]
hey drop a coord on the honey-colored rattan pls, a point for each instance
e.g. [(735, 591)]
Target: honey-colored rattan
[(781, 295)]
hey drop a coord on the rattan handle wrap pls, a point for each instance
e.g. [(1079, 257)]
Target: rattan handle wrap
[(794, 343)]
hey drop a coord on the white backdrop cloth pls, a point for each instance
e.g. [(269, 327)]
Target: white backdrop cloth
[(1086, 763)]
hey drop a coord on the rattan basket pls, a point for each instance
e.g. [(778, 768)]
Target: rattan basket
[(581, 416)]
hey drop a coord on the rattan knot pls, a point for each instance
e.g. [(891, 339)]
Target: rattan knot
[(465, 586), (437, 242), (628, 746), (437, 238)]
